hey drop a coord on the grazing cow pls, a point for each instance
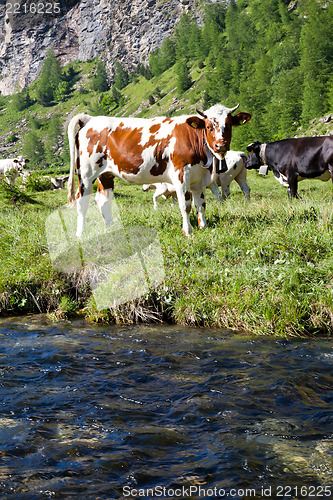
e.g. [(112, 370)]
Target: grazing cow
[(293, 160), (235, 163), (11, 168), (58, 182), (163, 189), (145, 151)]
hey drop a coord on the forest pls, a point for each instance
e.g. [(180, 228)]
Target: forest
[(275, 57)]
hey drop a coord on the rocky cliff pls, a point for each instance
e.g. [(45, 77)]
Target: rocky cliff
[(127, 30)]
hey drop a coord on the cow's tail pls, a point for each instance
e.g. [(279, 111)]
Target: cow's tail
[(73, 138)]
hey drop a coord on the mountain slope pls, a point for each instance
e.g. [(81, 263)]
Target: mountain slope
[(124, 30)]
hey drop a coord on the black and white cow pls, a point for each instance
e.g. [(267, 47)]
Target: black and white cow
[(293, 160)]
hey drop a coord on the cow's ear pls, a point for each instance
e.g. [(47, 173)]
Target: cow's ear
[(27, 161), (241, 118), (16, 161), (254, 145), (195, 122)]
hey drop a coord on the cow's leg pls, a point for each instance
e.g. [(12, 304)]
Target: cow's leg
[(200, 205), (292, 185), (104, 196), (160, 190), (155, 196), (241, 180), (224, 180), (330, 168), (174, 198), (184, 199), (225, 191), (215, 190), (82, 204)]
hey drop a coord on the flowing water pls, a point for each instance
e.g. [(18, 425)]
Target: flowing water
[(99, 412)]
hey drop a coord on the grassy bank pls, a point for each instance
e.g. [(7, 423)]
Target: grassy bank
[(265, 267)]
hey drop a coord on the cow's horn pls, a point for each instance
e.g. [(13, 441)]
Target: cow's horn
[(234, 109), (201, 113)]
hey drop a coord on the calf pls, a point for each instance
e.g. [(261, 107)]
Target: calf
[(235, 163), (58, 182), (146, 151), (163, 189), (11, 168), (293, 160)]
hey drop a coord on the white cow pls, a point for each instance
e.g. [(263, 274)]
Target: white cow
[(163, 189), (236, 171), (11, 168), (236, 161)]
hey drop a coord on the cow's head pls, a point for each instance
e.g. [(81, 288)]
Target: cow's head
[(20, 163), (218, 122), (254, 160)]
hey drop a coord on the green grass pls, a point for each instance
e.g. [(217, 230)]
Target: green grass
[(265, 267)]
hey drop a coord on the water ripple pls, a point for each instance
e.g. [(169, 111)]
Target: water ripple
[(85, 413)]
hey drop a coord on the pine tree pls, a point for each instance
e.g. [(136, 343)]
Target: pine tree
[(53, 141), (121, 77), (184, 81), (100, 81), (22, 100), (34, 150), (50, 78), (316, 60)]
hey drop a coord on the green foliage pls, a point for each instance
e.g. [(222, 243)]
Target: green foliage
[(117, 96), (143, 70), (13, 194), (280, 70), (62, 91), (121, 77), (22, 100), (162, 59), (67, 308), (184, 81), (2, 101), (53, 85), (12, 138), (316, 60), (34, 150), (37, 182), (52, 141), (100, 81)]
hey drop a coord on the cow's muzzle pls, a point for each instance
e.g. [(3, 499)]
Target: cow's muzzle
[(221, 148)]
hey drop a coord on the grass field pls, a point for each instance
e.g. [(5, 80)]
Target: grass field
[(265, 267)]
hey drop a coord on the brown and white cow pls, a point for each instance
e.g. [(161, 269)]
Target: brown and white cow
[(145, 151), (11, 168), (235, 162)]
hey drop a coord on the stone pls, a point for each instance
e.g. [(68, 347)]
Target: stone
[(123, 30)]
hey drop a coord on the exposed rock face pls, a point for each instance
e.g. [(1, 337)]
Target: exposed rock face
[(127, 30)]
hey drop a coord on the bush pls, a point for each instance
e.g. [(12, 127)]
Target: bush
[(37, 182), (12, 138)]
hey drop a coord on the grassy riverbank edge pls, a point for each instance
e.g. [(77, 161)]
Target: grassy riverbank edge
[(265, 267)]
